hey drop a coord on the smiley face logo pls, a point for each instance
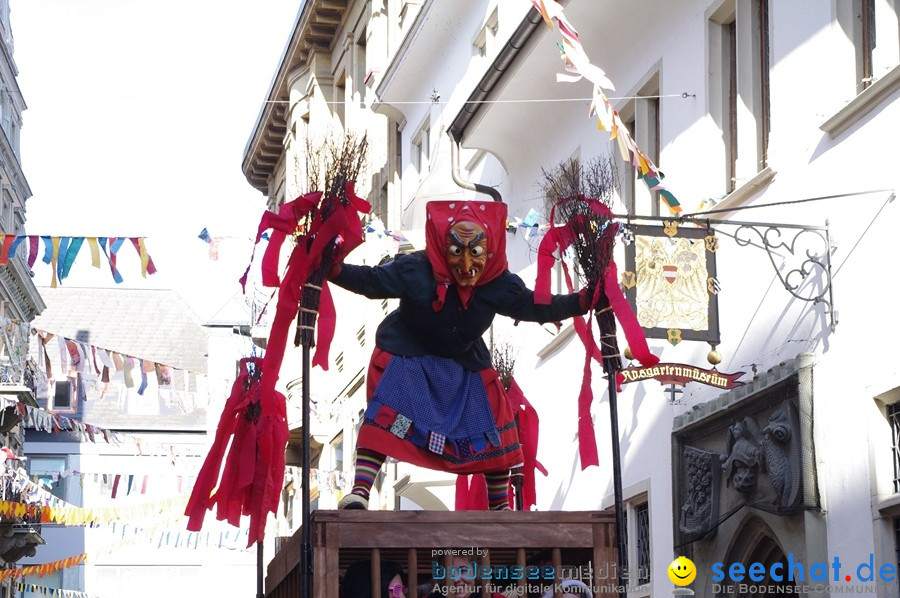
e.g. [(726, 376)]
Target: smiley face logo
[(682, 571)]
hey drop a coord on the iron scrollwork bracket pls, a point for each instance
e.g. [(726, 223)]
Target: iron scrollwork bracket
[(805, 252)]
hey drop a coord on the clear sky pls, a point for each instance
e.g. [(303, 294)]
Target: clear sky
[(138, 115)]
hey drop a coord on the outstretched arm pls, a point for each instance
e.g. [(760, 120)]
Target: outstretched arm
[(374, 282), (519, 304)]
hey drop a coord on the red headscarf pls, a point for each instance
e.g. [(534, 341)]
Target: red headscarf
[(441, 216)]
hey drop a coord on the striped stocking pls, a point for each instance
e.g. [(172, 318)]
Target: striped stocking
[(497, 490), (368, 463)]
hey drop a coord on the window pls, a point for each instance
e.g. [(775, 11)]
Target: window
[(381, 208), (874, 28), (359, 67), (6, 225), (638, 566), (4, 107), (885, 472), (408, 12), (893, 417), (64, 394), (637, 539), (897, 542), (339, 97), (486, 38), (739, 86), (287, 504), (420, 149), (641, 546), (337, 451), (641, 118), (379, 196), (398, 148), (19, 225), (48, 470)]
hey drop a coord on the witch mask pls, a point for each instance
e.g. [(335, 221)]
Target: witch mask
[(466, 252)]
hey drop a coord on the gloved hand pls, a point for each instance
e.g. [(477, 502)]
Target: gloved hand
[(336, 257), (585, 296)]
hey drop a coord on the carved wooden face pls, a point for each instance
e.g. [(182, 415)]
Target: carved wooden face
[(466, 252)]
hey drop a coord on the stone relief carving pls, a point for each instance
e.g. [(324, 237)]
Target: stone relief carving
[(700, 509), (764, 464), (743, 456), (761, 466), (780, 450)]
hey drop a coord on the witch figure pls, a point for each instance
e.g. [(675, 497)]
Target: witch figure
[(434, 399)]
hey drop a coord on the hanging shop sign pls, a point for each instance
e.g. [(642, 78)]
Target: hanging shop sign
[(680, 374), (670, 281)]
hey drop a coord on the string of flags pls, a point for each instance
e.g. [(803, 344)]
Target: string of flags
[(42, 570), (60, 253), (81, 357), (118, 485), (54, 423), (578, 66), (79, 516), (47, 591), (231, 539)]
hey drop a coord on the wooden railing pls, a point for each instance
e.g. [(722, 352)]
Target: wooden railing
[(534, 550)]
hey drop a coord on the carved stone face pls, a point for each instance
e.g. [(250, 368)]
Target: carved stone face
[(466, 252), (744, 479)]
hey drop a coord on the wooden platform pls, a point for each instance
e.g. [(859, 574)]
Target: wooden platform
[(548, 546)]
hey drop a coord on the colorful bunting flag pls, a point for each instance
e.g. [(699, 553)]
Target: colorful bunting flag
[(213, 243), (61, 252)]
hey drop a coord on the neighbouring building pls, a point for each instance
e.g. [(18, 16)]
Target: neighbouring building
[(130, 389), (20, 302), (773, 122)]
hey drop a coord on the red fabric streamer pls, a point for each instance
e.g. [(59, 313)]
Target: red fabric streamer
[(255, 413), (343, 224), (529, 425), (471, 493), (558, 238), (250, 483)]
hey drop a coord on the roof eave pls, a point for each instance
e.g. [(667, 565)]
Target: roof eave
[(266, 143)]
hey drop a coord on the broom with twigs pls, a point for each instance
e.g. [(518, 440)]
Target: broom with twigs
[(333, 168), (332, 229), (577, 197)]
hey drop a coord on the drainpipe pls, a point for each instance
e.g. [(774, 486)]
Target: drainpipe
[(457, 178)]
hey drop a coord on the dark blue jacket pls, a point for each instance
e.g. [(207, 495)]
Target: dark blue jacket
[(415, 329)]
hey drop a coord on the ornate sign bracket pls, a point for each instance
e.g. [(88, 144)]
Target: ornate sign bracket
[(799, 254)]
